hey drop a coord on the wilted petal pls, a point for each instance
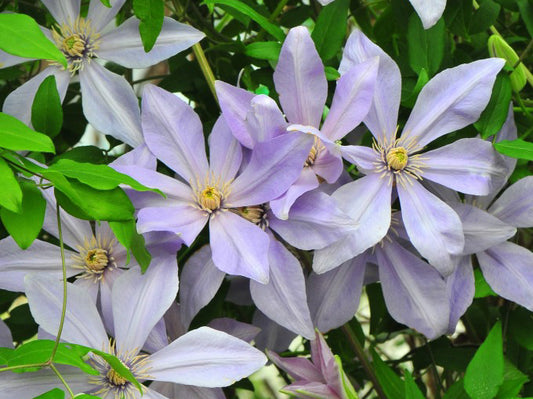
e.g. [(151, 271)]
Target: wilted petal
[(205, 357), (171, 390), (200, 281), (352, 99), (173, 132), (433, 227), (468, 165), (284, 299), (225, 152), (414, 291), (507, 269), (110, 105), (18, 103), (273, 167), (63, 11), (123, 45), (461, 288), (383, 115), (429, 11), (300, 79), (239, 247), (83, 324), (514, 205), (335, 294), (453, 99)]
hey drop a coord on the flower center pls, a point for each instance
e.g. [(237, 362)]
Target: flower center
[(256, 214), (316, 149), (78, 42), (95, 257), (115, 378), (210, 198), (397, 158)]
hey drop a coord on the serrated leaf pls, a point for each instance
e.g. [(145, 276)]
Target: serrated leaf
[(55, 393), (492, 118), (11, 193), (263, 22), (392, 384), (25, 226), (101, 177), (264, 50), (46, 110), (484, 374), (515, 148), (126, 234), (425, 47), (330, 29), (151, 14), (16, 136), (20, 35), (411, 389)]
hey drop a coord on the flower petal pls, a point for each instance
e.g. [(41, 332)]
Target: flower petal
[(461, 288), (299, 368), (514, 205), (453, 99), (265, 120), (429, 11), (173, 132), (239, 247), (382, 118), (123, 45), (300, 79), (433, 227), (226, 153), (101, 15), (272, 335), (6, 339), (284, 298), (63, 11), (171, 390), (205, 357), (363, 157), (110, 105)]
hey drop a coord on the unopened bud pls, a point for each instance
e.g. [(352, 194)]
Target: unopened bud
[(498, 47)]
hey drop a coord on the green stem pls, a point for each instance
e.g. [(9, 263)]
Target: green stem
[(56, 371), (206, 69), (360, 353), (23, 366)]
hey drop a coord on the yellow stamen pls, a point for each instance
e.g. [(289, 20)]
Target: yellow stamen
[(397, 158), (115, 378), (210, 198), (96, 259)]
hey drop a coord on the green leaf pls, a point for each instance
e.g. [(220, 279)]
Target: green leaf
[(348, 390), (515, 148), (491, 120), (409, 96), (101, 177), (484, 374), (271, 28), (264, 50), (55, 393), (25, 226), (425, 47), (456, 391), (513, 380), (108, 5), (483, 289), (16, 136), (392, 384), (330, 29), (331, 73), (20, 35), (526, 13), (5, 354), (151, 14), (11, 193), (118, 366), (484, 16), (126, 233), (520, 327), (46, 111), (411, 389)]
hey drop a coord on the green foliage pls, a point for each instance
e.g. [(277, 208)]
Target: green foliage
[(330, 29), (482, 287), (411, 389), (515, 148), (495, 114), (426, 47), (55, 393), (392, 384), (11, 193), (151, 13), (126, 234), (46, 111), (16, 136), (264, 50)]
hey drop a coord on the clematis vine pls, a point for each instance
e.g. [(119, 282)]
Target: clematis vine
[(453, 99), (109, 103)]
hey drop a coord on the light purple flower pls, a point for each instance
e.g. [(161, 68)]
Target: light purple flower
[(109, 102), (453, 99)]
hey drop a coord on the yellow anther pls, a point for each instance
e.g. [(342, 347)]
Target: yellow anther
[(96, 259), (397, 158), (115, 378), (210, 198)]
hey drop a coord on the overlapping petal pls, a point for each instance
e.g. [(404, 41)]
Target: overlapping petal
[(514, 205)]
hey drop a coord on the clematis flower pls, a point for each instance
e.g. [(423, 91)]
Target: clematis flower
[(108, 101), (216, 194), (301, 82), (202, 357), (453, 99), (320, 377)]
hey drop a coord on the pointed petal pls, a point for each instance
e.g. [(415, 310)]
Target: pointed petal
[(311, 390), (110, 105), (433, 227), (226, 152), (300, 79), (284, 298), (7, 60), (265, 120), (383, 115), (18, 103), (470, 166), (123, 45), (205, 357), (453, 99), (336, 293), (429, 11), (101, 15), (414, 291), (363, 157), (171, 390), (239, 247), (63, 11), (352, 99), (83, 324), (367, 201), (140, 301), (315, 222), (298, 368), (514, 205), (200, 281), (173, 132), (273, 167), (139, 156), (507, 269), (461, 288)]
